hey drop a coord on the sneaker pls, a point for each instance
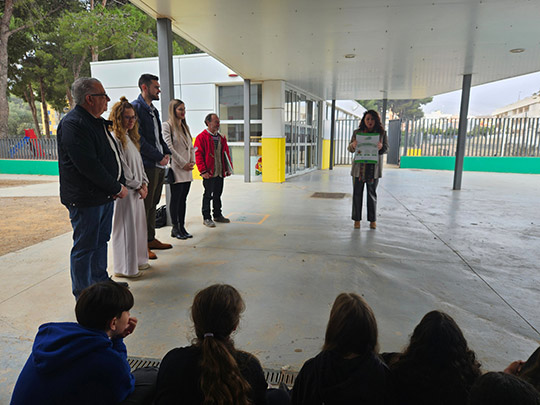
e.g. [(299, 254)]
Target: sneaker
[(145, 266), (136, 275), (209, 223), (222, 220)]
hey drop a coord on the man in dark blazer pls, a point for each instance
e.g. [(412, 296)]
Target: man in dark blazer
[(154, 152)]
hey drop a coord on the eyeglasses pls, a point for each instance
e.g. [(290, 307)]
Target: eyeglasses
[(100, 95)]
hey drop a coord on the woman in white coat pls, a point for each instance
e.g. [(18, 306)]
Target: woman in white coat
[(178, 138), (129, 235)]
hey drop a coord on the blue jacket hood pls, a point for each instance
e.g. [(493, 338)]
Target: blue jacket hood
[(58, 344)]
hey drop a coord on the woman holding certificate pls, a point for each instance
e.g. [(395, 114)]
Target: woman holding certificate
[(368, 143)]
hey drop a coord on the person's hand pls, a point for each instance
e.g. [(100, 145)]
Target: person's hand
[(132, 323), (143, 192), (514, 367), (188, 166), (206, 175), (379, 146), (164, 161), (123, 192), (354, 143)]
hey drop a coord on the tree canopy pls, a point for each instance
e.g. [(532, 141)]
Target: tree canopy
[(46, 44), (405, 109)]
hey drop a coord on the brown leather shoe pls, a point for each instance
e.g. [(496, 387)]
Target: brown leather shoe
[(356, 224), (151, 255), (156, 244), (373, 225)]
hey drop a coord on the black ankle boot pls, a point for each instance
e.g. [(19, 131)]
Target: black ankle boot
[(176, 233), (185, 233)]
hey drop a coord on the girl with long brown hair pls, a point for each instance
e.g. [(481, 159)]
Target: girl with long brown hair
[(437, 367), (178, 138), (212, 370), (367, 173), (129, 234), (348, 370)]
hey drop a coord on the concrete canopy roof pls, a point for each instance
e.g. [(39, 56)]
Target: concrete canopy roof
[(402, 48)]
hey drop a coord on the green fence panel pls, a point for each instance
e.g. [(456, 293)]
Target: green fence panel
[(45, 167), (526, 165)]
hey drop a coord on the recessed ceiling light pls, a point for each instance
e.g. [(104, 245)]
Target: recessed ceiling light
[(517, 50), (350, 56)]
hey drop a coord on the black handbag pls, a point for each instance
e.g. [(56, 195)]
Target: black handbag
[(161, 216), (169, 175)]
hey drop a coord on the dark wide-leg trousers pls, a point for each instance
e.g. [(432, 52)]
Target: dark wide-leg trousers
[(358, 193)]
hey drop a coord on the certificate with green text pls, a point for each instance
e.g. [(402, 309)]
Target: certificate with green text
[(366, 148)]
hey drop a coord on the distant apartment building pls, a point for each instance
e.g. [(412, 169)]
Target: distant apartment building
[(528, 107)]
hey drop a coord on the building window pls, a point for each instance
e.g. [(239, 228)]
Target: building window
[(231, 112)]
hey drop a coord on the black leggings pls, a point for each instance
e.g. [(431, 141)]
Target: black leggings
[(179, 193)]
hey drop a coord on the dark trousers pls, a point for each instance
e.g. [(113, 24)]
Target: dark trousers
[(145, 387), (91, 232), (358, 193), (213, 188), (179, 193), (156, 176)]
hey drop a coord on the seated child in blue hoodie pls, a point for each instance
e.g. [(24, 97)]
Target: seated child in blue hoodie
[(84, 362)]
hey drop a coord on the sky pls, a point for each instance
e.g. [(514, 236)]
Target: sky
[(488, 97)]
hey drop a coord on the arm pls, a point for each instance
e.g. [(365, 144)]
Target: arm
[(384, 144), (226, 152), (168, 137), (200, 155), (352, 144), (147, 141), (81, 148)]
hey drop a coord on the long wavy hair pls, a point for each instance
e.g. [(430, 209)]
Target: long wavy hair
[(216, 314), (175, 122), (438, 357), (116, 117), (379, 127), (352, 328)]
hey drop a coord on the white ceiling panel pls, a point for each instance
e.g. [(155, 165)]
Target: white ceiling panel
[(402, 48)]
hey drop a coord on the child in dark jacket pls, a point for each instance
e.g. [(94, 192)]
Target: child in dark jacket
[(348, 370)]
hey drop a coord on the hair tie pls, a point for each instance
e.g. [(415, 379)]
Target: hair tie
[(208, 335)]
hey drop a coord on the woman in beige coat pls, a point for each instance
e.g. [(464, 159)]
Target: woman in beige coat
[(178, 138), (367, 173)]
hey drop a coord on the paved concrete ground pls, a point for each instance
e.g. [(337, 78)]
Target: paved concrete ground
[(473, 253)]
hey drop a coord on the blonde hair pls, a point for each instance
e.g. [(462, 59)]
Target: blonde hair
[(176, 123), (117, 115)]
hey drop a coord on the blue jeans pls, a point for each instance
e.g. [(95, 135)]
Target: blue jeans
[(91, 232)]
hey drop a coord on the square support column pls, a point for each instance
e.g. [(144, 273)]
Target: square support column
[(166, 80), (247, 130), (273, 131)]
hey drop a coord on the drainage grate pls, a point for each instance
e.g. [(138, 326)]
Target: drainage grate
[(140, 362), (329, 195), (273, 377)]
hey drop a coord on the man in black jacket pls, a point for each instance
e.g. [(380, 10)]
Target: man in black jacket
[(90, 179), (155, 154)]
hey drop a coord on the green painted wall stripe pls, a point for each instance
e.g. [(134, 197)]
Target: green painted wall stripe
[(528, 165), (45, 167)]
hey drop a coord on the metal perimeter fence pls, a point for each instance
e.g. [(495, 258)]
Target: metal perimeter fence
[(517, 137), (28, 148)]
